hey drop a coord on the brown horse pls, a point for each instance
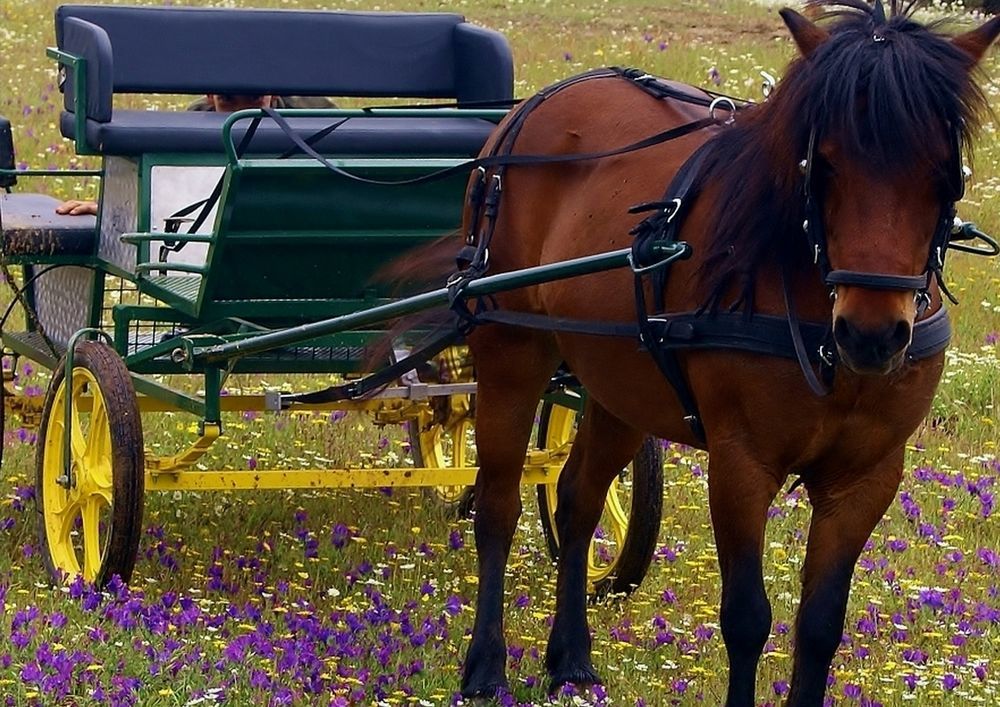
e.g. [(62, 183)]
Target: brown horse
[(862, 137)]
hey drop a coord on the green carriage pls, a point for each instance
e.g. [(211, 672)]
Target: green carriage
[(273, 273)]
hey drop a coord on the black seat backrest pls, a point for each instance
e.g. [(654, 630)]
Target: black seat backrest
[(213, 50)]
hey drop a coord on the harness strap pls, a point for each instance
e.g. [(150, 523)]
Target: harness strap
[(664, 226), (656, 86), (764, 334), (497, 160), (543, 322), (795, 329), (486, 189), (931, 336), (666, 361), (381, 378), (207, 203), (878, 281)]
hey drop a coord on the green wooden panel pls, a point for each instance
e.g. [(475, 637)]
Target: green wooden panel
[(293, 230)]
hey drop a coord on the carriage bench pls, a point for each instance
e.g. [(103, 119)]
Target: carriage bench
[(30, 228), (109, 51)]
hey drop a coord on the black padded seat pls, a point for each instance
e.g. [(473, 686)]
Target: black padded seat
[(31, 226), (133, 132)]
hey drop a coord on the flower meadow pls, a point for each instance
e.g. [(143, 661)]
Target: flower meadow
[(366, 597)]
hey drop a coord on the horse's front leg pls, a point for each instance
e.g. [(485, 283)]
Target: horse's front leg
[(740, 492), (603, 447), (512, 373), (847, 505)]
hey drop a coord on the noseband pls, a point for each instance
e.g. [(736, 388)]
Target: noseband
[(918, 284)]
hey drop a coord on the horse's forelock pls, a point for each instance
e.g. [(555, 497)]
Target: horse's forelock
[(883, 87)]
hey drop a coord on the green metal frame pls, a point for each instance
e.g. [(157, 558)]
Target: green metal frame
[(78, 65)]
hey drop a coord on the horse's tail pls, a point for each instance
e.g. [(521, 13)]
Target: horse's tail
[(420, 270)]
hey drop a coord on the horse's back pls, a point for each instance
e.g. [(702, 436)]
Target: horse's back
[(595, 115)]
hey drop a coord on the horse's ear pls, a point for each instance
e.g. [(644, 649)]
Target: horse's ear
[(977, 41), (806, 34)]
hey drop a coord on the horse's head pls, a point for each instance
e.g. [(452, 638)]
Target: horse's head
[(887, 105)]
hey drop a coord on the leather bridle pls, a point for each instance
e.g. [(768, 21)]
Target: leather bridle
[(918, 284)]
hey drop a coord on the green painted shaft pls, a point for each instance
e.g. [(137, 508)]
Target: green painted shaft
[(487, 285)]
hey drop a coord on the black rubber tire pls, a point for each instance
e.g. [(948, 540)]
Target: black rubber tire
[(3, 419), (646, 511), (123, 520)]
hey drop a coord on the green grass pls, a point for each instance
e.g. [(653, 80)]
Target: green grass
[(244, 561)]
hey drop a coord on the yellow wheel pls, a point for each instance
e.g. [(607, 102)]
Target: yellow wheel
[(89, 522), (443, 434), (626, 535)]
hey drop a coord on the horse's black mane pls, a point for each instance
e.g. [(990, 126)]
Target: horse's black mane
[(881, 99)]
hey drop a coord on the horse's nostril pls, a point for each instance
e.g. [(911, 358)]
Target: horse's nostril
[(900, 337), (843, 331), (870, 348)]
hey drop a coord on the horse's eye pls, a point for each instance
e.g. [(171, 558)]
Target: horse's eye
[(824, 167)]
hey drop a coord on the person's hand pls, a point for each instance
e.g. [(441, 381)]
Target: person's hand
[(76, 207)]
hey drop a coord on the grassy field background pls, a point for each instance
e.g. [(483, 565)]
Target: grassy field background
[(365, 597)]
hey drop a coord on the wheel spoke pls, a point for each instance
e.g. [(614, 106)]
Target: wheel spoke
[(616, 513), (64, 517), (458, 443), (100, 484), (593, 561), (58, 501), (60, 524), (78, 440), (91, 512), (98, 448)]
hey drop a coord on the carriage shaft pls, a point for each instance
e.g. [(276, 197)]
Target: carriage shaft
[(193, 354)]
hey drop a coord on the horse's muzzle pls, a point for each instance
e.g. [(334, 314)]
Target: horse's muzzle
[(872, 351)]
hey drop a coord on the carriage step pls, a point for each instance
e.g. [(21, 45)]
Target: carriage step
[(33, 345)]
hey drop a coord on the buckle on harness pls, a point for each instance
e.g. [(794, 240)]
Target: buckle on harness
[(681, 253), (476, 268), (726, 103)]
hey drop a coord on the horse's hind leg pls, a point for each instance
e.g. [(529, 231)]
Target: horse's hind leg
[(740, 491), (604, 445), (846, 508), (512, 369)]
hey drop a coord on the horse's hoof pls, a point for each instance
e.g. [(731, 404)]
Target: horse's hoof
[(484, 674), (582, 677), (485, 692)]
